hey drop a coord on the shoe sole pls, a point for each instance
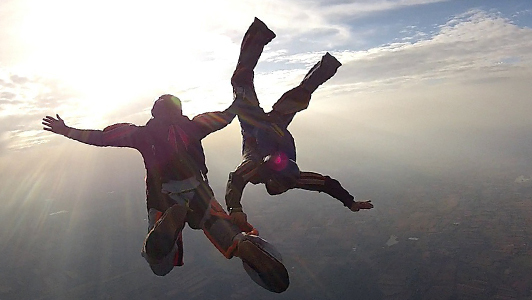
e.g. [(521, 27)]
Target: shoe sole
[(269, 269), (162, 237)]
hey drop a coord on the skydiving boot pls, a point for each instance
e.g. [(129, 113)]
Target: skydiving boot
[(257, 36), (320, 72), (162, 237), (298, 98), (262, 262)]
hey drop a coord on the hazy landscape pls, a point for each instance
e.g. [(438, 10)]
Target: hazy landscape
[(461, 234)]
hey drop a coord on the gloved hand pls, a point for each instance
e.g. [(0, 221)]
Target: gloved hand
[(240, 219), (358, 205)]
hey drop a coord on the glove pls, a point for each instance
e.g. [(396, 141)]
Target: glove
[(240, 219), (358, 205)]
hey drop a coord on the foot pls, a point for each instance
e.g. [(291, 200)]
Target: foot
[(260, 32), (257, 36), (161, 239), (321, 72), (271, 271), (330, 61)]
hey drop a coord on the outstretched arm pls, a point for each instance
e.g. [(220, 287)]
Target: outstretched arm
[(316, 182), (91, 137), (118, 135), (213, 121)]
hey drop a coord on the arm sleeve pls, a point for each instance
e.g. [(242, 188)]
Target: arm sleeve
[(234, 190), (87, 136), (213, 121), (118, 135), (236, 183), (316, 182)]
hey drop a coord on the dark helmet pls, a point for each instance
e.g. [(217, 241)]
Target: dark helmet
[(283, 172), (166, 106)]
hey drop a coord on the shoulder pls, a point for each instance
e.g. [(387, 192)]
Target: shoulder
[(119, 126), (120, 131)]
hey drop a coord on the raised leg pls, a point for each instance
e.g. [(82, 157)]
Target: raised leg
[(250, 114), (257, 36), (298, 98), (163, 244), (259, 258)]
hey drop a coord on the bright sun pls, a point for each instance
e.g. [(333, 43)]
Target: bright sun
[(111, 53)]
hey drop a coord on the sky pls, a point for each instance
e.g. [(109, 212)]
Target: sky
[(104, 62), (426, 86), (445, 78)]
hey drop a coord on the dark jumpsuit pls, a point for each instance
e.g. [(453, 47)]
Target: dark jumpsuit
[(152, 141), (267, 134)]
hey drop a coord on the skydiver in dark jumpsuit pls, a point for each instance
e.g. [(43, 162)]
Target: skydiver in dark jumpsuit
[(268, 148), (177, 190)]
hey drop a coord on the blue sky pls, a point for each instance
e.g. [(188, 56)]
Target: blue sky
[(405, 22)]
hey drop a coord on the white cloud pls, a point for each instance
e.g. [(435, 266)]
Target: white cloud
[(473, 46), (363, 8)]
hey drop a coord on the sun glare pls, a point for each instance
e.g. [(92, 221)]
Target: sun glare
[(112, 52)]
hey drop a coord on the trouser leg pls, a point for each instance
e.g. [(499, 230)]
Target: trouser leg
[(208, 215), (256, 37), (220, 231), (298, 98), (231, 241), (163, 246), (250, 114)]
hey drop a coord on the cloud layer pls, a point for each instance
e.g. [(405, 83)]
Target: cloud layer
[(119, 84)]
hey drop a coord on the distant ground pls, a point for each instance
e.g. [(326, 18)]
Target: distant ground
[(426, 238)]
